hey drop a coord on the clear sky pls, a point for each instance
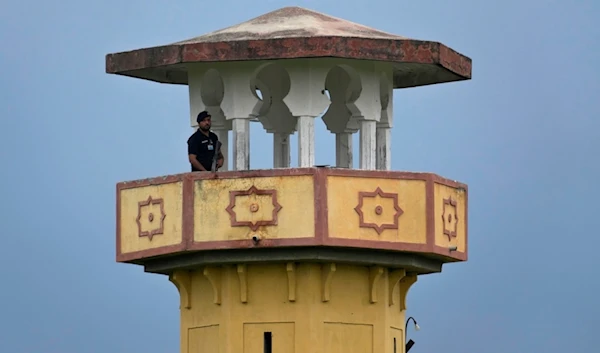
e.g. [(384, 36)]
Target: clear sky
[(523, 134)]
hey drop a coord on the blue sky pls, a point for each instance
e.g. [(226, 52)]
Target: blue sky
[(524, 134)]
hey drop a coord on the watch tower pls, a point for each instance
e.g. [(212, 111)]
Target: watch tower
[(300, 259)]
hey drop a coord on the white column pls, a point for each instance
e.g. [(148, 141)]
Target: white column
[(281, 150), (241, 144), (368, 139), (384, 150), (343, 150), (224, 139), (306, 141), (386, 120), (238, 105), (305, 101)]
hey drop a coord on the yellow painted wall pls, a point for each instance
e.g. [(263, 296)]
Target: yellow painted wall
[(296, 218), (233, 306), (204, 339), (302, 307), (343, 197), (172, 235), (282, 336)]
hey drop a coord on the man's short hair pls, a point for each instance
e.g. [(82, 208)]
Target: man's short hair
[(203, 115)]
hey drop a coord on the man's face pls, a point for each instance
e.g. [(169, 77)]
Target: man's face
[(205, 124)]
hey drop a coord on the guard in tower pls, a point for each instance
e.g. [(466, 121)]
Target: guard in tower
[(204, 148)]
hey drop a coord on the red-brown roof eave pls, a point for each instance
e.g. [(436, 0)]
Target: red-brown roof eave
[(389, 50)]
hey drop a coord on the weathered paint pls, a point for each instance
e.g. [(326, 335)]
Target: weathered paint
[(450, 217), (284, 204), (437, 55), (241, 144), (368, 138), (307, 307), (319, 259), (344, 204), (290, 33), (137, 218), (290, 22), (384, 148), (295, 207), (343, 150), (306, 141), (281, 150)]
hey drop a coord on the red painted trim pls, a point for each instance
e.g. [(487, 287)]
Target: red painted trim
[(321, 205), (240, 174), (167, 179), (379, 245), (120, 257), (378, 174), (455, 255), (389, 50), (187, 228), (248, 243), (430, 213), (465, 255), (149, 253), (118, 224), (320, 177)]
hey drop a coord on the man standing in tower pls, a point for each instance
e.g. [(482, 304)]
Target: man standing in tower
[(204, 146)]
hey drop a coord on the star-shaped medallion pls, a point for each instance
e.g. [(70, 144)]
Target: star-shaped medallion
[(387, 218), (150, 219), (255, 205), (450, 218)]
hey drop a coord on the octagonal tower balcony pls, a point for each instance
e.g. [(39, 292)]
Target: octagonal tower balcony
[(416, 221)]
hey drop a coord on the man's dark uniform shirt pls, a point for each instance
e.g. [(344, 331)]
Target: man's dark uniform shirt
[(204, 147)]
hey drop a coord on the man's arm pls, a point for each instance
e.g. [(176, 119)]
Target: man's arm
[(194, 161), (220, 159)]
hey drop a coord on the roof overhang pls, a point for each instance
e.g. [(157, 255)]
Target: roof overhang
[(415, 62)]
